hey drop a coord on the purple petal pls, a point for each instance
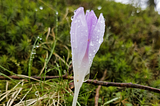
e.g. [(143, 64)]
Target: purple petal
[(86, 37), (79, 37), (91, 22), (96, 38)]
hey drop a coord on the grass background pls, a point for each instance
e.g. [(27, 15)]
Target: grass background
[(35, 41)]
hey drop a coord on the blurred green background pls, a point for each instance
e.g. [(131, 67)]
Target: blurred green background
[(33, 30)]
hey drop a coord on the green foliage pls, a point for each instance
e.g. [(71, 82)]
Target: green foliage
[(21, 23), (35, 40)]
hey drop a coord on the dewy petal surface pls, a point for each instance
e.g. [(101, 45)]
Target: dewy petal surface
[(86, 37), (79, 42), (96, 38), (79, 37), (91, 22)]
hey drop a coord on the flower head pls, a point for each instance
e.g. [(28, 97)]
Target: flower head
[(86, 37)]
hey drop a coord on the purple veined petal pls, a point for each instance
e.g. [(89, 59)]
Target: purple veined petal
[(79, 41), (96, 38), (79, 37), (91, 22), (84, 30)]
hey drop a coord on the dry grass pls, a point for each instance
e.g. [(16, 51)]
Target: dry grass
[(37, 93)]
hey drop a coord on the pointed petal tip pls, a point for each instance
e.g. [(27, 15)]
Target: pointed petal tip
[(80, 9), (101, 16)]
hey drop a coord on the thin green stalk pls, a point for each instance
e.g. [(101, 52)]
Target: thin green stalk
[(52, 50), (7, 70), (31, 57), (7, 77), (54, 43), (110, 101)]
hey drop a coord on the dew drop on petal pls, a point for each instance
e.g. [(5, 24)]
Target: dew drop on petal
[(75, 47), (100, 40), (87, 11), (72, 17), (75, 11), (75, 21), (91, 43), (102, 21)]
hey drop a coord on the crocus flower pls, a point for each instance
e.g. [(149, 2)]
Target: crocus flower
[(86, 37)]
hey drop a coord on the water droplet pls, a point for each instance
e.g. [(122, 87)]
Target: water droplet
[(56, 12), (36, 10), (37, 46), (34, 46), (32, 57), (75, 21), (34, 51), (100, 40), (36, 93), (94, 51), (91, 43), (41, 8), (87, 11), (72, 17), (40, 38), (102, 21), (75, 11), (90, 54), (99, 7)]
